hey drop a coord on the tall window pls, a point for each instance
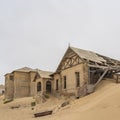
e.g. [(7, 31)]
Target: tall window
[(77, 75), (64, 78), (38, 86), (57, 84)]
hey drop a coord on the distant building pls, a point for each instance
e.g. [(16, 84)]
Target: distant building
[(27, 82)]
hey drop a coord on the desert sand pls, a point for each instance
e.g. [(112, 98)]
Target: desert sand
[(103, 104)]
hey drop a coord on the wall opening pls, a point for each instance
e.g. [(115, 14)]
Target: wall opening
[(38, 86), (57, 84), (48, 87), (77, 75), (64, 78)]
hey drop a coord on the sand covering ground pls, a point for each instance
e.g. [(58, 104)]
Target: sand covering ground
[(104, 104)]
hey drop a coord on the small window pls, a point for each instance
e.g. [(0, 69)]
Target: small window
[(64, 78), (57, 84), (77, 75), (11, 77)]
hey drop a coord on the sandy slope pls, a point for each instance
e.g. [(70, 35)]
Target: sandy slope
[(104, 104)]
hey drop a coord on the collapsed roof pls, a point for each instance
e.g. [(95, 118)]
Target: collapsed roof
[(91, 58)]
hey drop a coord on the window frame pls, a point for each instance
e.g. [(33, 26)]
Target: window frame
[(39, 86), (77, 77)]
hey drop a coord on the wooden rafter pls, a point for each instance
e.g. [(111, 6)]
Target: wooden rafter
[(71, 58), (71, 62)]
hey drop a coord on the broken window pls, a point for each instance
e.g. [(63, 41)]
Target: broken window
[(77, 75)]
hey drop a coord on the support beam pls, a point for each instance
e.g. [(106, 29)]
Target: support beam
[(101, 77), (91, 87)]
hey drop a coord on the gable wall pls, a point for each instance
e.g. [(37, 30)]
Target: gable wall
[(71, 79)]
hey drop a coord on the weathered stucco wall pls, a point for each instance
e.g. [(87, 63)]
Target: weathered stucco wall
[(24, 84), (21, 84), (9, 87), (71, 78), (32, 83), (56, 77)]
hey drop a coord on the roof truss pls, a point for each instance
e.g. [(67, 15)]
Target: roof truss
[(70, 59)]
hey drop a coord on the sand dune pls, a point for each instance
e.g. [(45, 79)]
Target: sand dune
[(103, 104)]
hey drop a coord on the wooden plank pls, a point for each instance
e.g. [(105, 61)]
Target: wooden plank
[(97, 66), (101, 77), (41, 114)]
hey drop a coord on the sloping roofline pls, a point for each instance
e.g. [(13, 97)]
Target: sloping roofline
[(90, 56), (43, 74)]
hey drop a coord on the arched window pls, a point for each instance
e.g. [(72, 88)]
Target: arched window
[(48, 87), (38, 86)]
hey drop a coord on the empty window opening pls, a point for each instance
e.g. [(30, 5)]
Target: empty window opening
[(48, 86), (77, 75), (57, 84), (64, 78), (11, 77), (38, 86)]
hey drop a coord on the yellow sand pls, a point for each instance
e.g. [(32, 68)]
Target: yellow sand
[(104, 104)]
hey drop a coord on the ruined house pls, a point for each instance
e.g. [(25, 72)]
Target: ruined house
[(80, 71), (78, 74), (26, 82)]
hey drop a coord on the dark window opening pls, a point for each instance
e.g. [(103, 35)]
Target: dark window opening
[(57, 84), (64, 78), (48, 87), (38, 86), (77, 74), (11, 77)]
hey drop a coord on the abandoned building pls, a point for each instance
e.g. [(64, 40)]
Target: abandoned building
[(27, 82), (80, 71), (77, 74)]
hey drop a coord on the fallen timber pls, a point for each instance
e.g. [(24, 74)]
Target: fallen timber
[(41, 114)]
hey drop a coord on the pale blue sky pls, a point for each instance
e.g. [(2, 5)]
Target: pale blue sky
[(36, 33)]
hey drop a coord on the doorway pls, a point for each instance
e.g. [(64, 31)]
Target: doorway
[(48, 87)]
